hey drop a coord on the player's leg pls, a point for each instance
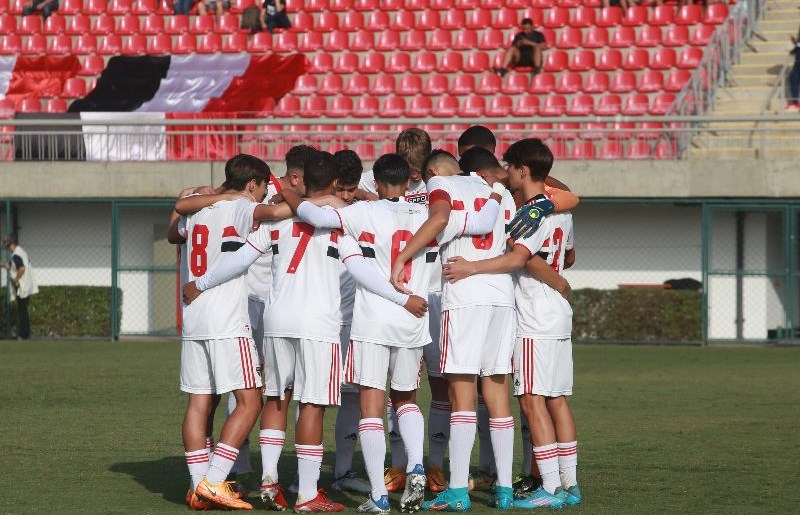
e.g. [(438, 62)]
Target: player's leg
[(394, 476)]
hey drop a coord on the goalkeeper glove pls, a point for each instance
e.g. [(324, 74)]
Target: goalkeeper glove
[(528, 218)]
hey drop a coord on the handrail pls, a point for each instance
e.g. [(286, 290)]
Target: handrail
[(779, 86)]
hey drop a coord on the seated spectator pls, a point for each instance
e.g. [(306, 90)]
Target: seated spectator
[(527, 50), (46, 7), (215, 6), (182, 6), (273, 15)]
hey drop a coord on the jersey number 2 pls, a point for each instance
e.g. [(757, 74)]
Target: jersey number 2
[(557, 242), (198, 259), (397, 238), (482, 242), (304, 231)]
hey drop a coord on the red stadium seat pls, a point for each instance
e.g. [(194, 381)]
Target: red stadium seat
[(153, 24), (378, 21), (357, 85), (649, 37), (320, 63), (554, 105), (527, 105), (635, 16), (104, 24), (473, 107), (10, 44), (464, 85), (588, 133), (340, 6), (87, 44), (583, 17), (456, 20), (55, 105), (702, 35), (442, 5), (128, 24), (652, 81), (666, 150), (383, 85), (650, 130), (467, 4), (315, 6), (428, 20), (623, 37), (314, 107), (327, 22), (596, 37), (352, 22), (135, 45), (177, 24), (144, 7), (515, 84), (403, 20), (413, 40), (185, 44), (583, 150), (348, 63), (74, 87), (715, 14), (493, 4), (492, 39), (340, 107), (71, 7), (636, 104), (663, 15), (119, 7), (639, 150), (690, 58), (446, 107), (92, 65), (464, 40), (506, 19), (557, 17), (490, 84), (285, 43), (582, 61), (477, 62), (55, 24), (420, 107), (569, 83), (610, 60), (60, 45), (661, 104), (543, 83), (203, 24), (663, 59), (336, 42), (228, 23), (8, 24), (596, 83), (478, 19), (30, 105), (305, 85), (623, 82), (677, 35), (609, 17), (365, 5), (374, 63), (622, 130), (559, 149), (388, 41), (367, 107), (500, 106), (35, 45), (79, 24), (309, 42), (287, 107), (261, 43), (451, 62), (399, 62), (611, 150), (302, 22), (609, 105), (689, 15), (436, 85), (161, 44), (676, 80), (30, 25), (555, 61), (570, 38), (636, 59), (362, 41), (410, 85), (440, 40), (95, 7)]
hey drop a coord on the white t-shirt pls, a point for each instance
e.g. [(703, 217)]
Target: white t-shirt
[(259, 276), (542, 311), (307, 263), (221, 312), (415, 194), (472, 192)]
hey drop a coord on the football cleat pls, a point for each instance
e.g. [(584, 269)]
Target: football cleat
[(395, 479), (436, 481), (540, 498), (197, 504), (319, 504), (372, 506), (524, 485), (484, 482), (503, 498), (528, 218), (272, 496), (452, 499), (571, 496), (414, 492), (350, 482), (221, 493)]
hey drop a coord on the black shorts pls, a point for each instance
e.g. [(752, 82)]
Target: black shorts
[(525, 57)]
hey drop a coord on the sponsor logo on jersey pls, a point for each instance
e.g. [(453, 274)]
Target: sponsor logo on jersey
[(417, 198)]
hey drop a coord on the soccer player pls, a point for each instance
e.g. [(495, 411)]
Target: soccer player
[(386, 342), (413, 145), (476, 136), (544, 332), (218, 354)]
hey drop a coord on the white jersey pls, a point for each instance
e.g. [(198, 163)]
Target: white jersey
[(304, 299), (220, 312), (472, 192), (259, 276), (542, 311), (416, 192)]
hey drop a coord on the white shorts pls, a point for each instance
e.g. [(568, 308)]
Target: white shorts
[(255, 310), (219, 366), (311, 368), (478, 340), (431, 352), (543, 366), (344, 340), (370, 364)]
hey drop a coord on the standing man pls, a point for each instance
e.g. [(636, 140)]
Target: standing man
[(22, 281), (527, 49)]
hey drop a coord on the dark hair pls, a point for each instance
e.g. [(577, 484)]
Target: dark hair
[(478, 159), (527, 21), (297, 155), (391, 169), (435, 159), (10, 239), (413, 145), (319, 171), (349, 166), (478, 136), (533, 153), (243, 168)]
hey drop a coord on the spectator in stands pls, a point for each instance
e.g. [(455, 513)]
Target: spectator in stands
[(46, 7), (527, 50), (22, 282), (215, 6), (182, 6), (794, 77), (273, 15)]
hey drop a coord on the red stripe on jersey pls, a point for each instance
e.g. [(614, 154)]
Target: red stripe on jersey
[(258, 249), (274, 235), (351, 255), (438, 195), (367, 237), (341, 223), (508, 215), (249, 353), (276, 183), (230, 232), (443, 338), (463, 229)]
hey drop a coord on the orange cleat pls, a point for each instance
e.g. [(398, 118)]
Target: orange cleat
[(197, 504), (436, 481), (272, 497), (221, 493), (318, 504), (395, 479)]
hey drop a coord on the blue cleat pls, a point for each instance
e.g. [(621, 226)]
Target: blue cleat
[(381, 506), (571, 496), (541, 498), (452, 499), (503, 498)]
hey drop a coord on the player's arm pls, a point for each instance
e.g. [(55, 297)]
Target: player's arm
[(564, 200), (539, 269), (476, 223), (369, 278), (458, 268), (362, 194), (229, 266), (438, 217), (194, 203), (529, 216)]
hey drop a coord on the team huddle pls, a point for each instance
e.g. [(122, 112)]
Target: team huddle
[(328, 284)]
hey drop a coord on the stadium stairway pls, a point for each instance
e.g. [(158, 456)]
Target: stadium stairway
[(752, 91)]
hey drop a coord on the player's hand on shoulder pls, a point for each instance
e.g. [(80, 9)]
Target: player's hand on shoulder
[(275, 199), (458, 268), (529, 217), (190, 292), (417, 306)]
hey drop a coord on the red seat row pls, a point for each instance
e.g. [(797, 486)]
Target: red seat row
[(116, 7), (420, 5), (125, 25)]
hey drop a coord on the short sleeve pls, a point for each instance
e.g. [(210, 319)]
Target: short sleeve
[(182, 227), (261, 238), (534, 242), (348, 247), (367, 182), (438, 190), (570, 244), (352, 218), (455, 227)]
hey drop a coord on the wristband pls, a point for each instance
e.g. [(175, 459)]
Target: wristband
[(498, 188)]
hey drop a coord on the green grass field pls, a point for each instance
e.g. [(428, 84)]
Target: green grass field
[(94, 427)]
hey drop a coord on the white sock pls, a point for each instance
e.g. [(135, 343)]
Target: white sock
[(309, 461), (346, 433), (197, 461), (221, 463), (485, 453), (502, 434), (412, 430), (396, 447), (527, 447), (373, 447), (462, 439), (271, 443), (568, 463), (547, 460), (242, 463), (438, 432)]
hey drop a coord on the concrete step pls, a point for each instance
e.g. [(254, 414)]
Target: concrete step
[(781, 21), (764, 58), (741, 92), (755, 80)]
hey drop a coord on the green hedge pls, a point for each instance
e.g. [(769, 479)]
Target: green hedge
[(67, 311), (637, 315)]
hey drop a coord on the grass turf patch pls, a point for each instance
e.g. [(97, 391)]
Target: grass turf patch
[(94, 427)]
